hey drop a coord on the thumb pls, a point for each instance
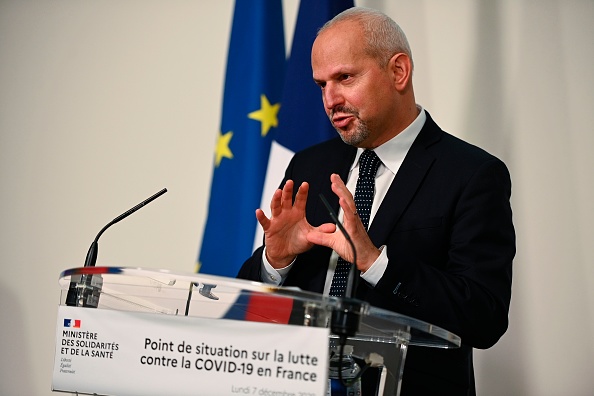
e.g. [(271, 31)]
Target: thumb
[(322, 235)]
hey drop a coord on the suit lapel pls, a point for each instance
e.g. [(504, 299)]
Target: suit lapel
[(407, 181)]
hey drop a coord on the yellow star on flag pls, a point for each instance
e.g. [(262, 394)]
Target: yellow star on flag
[(222, 149), (266, 115)]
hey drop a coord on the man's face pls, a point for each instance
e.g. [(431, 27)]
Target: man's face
[(358, 94)]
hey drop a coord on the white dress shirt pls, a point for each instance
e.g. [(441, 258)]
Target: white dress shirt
[(391, 154)]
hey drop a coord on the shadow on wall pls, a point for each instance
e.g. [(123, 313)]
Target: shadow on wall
[(15, 377), (489, 128), (485, 120)]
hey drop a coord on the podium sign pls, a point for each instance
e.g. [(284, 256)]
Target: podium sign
[(133, 331), (135, 353)]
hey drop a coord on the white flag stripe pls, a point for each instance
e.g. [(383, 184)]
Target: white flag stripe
[(278, 161)]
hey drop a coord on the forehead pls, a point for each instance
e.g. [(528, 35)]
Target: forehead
[(343, 43), (344, 32)]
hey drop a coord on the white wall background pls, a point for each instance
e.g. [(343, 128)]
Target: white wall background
[(103, 103)]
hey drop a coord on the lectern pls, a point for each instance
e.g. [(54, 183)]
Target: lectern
[(132, 331)]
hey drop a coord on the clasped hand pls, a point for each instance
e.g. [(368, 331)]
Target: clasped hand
[(287, 232)]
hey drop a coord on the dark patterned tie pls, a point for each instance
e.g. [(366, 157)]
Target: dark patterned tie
[(368, 164)]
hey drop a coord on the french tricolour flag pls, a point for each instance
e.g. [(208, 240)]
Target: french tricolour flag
[(267, 116), (302, 120), (72, 323)]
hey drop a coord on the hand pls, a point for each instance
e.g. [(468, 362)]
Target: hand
[(286, 231), (367, 253)]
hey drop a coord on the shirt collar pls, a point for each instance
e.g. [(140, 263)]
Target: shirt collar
[(392, 152)]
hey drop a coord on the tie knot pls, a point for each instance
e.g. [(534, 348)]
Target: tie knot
[(368, 164)]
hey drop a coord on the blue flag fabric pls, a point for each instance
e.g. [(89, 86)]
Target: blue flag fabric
[(255, 72), (302, 119), (301, 96)]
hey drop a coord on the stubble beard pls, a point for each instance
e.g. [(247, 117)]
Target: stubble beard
[(359, 134)]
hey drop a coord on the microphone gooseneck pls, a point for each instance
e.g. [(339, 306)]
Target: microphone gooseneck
[(352, 282), (91, 258), (84, 289)]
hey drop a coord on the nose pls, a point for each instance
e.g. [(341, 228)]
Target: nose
[(331, 96)]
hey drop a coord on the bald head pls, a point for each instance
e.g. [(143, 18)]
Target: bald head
[(382, 36)]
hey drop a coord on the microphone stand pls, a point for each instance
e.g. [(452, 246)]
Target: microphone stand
[(84, 289)]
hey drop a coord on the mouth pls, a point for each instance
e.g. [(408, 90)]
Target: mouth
[(341, 121)]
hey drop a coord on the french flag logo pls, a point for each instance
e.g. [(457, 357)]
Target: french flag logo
[(75, 323)]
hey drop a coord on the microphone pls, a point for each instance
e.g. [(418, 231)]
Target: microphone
[(352, 281), (346, 316), (93, 250), (84, 289)]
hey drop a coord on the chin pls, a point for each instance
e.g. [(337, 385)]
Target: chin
[(355, 135), (351, 138)]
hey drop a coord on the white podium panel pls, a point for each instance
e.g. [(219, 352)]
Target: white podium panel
[(133, 353), (131, 331)]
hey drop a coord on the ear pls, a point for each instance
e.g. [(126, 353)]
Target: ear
[(401, 68)]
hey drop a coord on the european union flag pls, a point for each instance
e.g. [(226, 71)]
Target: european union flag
[(253, 85)]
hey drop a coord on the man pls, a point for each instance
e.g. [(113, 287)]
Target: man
[(440, 240)]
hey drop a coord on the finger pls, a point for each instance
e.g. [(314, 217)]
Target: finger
[(339, 188), (323, 235), (321, 238), (262, 219), (349, 211), (343, 193), (335, 178), (327, 228), (301, 197), (287, 195), (275, 203)]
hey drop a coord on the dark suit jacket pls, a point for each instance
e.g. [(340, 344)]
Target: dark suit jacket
[(447, 224)]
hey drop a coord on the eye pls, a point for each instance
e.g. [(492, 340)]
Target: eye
[(344, 77)]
